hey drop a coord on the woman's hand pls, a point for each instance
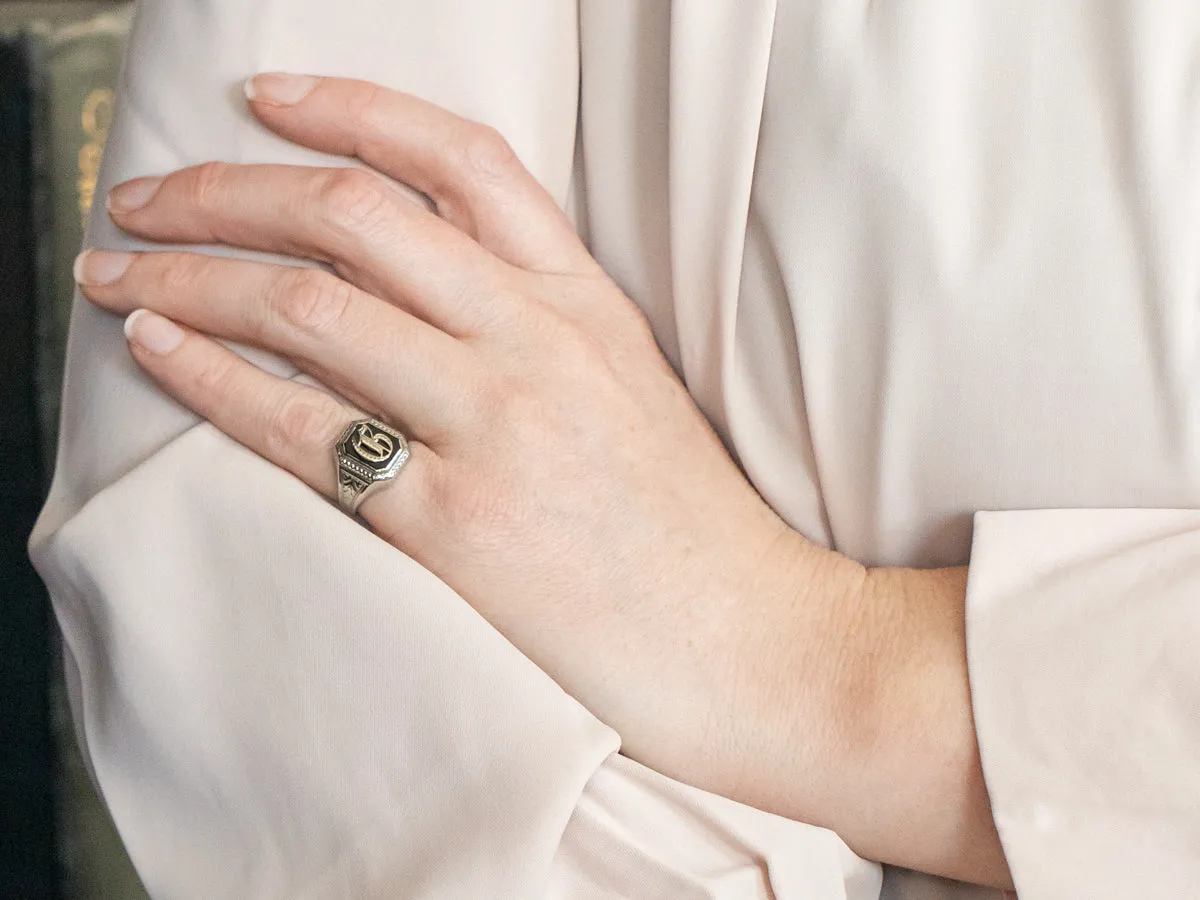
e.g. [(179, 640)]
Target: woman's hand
[(561, 480)]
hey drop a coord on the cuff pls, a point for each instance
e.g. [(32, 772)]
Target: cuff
[(1083, 640)]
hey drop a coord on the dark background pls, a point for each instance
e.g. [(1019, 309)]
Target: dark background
[(28, 858), (41, 772)]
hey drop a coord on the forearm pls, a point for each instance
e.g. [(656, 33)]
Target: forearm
[(845, 704), (899, 777)]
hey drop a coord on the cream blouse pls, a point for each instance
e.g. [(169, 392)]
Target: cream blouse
[(932, 269)]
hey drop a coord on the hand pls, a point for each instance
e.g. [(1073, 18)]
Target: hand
[(562, 480)]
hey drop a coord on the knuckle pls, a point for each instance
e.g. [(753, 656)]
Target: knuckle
[(487, 154), (216, 375), (490, 307), (576, 347), (365, 107), (631, 332), (303, 421), (633, 322), (208, 184), (312, 301), (593, 336), (178, 274), (354, 201)]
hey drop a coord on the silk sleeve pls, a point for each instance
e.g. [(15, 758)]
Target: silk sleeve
[(1083, 636)]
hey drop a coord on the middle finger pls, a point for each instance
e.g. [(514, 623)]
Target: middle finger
[(375, 235), (373, 353)]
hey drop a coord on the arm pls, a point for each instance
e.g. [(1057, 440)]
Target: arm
[(874, 660), (762, 668), (209, 603), (272, 700), (751, 668), (847, 705), (1081, 632)]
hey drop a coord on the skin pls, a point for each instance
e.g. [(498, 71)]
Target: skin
[(562, 480)]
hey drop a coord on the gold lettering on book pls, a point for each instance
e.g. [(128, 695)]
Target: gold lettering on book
[(96, 121)]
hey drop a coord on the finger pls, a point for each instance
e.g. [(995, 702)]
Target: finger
[(377, 355), (469, 171), (291, 425), (375, 236)]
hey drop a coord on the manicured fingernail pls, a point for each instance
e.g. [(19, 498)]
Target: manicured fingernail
[(132, 194), (101, 266), (278, 89), (152, 332)]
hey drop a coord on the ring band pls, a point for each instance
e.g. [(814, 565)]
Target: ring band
[(368, 455)]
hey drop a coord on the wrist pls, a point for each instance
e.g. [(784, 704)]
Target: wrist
[(792, 676), (915, 741), (861, 694)]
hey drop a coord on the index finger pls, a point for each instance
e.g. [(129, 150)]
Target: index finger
[(468, 170)]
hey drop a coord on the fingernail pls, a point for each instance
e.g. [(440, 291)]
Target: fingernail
[(152, 332), (278, 89), (101, 266), (132, 194)]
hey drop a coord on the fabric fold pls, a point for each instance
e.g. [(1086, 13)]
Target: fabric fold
[(719, 56), (252, 692)]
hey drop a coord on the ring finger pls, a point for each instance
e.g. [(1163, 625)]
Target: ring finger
[(291, 425)]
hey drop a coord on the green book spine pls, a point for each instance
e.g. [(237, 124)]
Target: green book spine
[(76, 66), (74, 52)]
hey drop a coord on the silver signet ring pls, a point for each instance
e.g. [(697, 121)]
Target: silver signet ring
[(369, 454)]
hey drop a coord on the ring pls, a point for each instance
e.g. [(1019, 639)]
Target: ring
[(368, 454)]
